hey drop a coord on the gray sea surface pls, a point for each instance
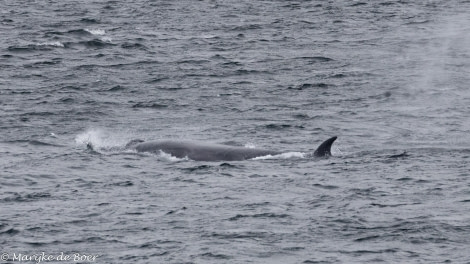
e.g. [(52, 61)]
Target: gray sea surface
[(391, 79)]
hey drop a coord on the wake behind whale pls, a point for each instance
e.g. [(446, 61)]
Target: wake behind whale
[(200, 151)]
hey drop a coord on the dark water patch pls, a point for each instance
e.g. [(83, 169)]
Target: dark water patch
[(157, 243), (30, 48), (21, 92), (176, 210), (250, 72), (338, 76), (149, 105), (401, 155), (239, 235), (88, 67), (72, 87), (79, 32), (368, 238), (86, 114), (195, 62), (197, 168), (367, 252), (38, 113), (158, 79), (78, 222), (134, 213), (9, 232), (53, 34), (91, 239), (293, 249), (90, 20), (67, 100), (93, 44), (231, 63), (277, 126), (292, 6), (405, 179), (227, 165), (302, 116), (359, 4), (215, 256), (331, 260), (183, 179), (16, 197), (389, 3), (421, 181), (121, 184), (326, 187), (256, 175), (96, 43), (309, 86), (116, 88), (386, 205), (380, 96), (315, 59), (41, 244), (282, 126), (256, 205), (263, 215), (45, 63), (130, 45), (247, 27)]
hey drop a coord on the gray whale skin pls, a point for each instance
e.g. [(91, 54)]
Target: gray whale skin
[(214, 152)]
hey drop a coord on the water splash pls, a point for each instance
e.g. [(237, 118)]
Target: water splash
[(100, 140)]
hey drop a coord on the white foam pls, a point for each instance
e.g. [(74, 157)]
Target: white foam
[(250, 145), (168, 157), (287, 155), (99, 139), (107, 39), (54, 44), (96, 31)]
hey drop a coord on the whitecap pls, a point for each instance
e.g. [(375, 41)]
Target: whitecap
[(54, 44), (96, 31), (107, 39)]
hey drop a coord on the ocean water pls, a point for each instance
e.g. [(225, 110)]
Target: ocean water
[(389, 78)]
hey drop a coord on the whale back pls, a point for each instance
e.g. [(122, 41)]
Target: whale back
[(199, 151), (203, 152)]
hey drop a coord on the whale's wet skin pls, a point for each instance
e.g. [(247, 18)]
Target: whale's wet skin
[(200, 151)]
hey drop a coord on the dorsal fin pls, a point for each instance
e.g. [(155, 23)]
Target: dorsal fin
[(324, 150)]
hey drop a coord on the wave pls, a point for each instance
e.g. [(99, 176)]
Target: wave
[(96, 31), (44, 46), (94, 43)]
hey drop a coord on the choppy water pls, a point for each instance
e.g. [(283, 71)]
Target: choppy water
[(384, 76)]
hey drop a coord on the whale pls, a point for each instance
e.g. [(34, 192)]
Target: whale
[(200, 151)]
